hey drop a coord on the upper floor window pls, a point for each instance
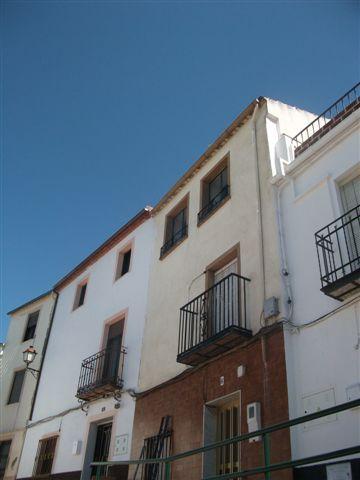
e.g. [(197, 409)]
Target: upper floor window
[(45, 456), (214, 190), (176, 226), (80, 294), (16, 387), (123, 263), (31, 325)]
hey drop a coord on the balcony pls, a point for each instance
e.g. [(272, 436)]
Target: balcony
[(214, 321), (338, 249), (101, 374), (213, 204), (331, 117)]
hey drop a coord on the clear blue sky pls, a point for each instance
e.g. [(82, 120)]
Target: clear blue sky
[(105, 104)]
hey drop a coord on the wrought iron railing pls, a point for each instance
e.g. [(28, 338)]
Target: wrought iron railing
[(266, 466), (327, 119), (338, 247), (177, 236), (102, 368), (220, 307), (213, 204)]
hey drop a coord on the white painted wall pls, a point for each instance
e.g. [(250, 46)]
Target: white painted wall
[(326, 355), (78, 334), (13, 417)]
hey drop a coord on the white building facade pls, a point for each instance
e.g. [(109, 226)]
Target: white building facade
[(316, 177), (85, 403), (29, 326)]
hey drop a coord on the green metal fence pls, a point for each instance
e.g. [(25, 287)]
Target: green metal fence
[(265, 469)]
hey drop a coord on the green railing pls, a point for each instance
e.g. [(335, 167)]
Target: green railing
[(268, 467)]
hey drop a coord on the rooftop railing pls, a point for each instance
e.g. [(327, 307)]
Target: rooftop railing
[(327, 120)]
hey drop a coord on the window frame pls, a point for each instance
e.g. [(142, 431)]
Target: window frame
[(120, 259), (206, 180), (27, 324), (36, 463), (16, 372), (182, 205), (77, 297)]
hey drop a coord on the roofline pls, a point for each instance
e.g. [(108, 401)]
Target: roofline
[(130, 226), (219, 142), (34, 300)]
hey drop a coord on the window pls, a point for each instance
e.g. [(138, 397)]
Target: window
[(4, 455), (31, 326), (80, 295), (16, 387), (45, 456), (175, 226), (214, 190), (123, 265)]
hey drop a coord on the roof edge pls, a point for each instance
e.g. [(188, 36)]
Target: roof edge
[(29, 302), (115, 238), (219, 142)]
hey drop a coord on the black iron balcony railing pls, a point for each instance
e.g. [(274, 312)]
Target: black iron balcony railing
[(214, 321), (176, 238), (101, 374), (327, 120), (338, 249), (213, 204)]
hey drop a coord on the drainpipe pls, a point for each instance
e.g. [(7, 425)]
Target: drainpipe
[(263, 279), (43, 354)]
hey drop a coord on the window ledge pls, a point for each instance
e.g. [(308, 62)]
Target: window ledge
[(210, 214)]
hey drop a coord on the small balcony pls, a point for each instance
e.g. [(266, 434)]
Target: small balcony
[(338, 249), (214, 321), (101, 374)]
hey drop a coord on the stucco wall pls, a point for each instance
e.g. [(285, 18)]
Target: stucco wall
[(177, 278), (13, 417), (326, 355), (77, 334)]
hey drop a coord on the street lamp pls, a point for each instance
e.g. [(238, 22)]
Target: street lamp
[(29, 356)]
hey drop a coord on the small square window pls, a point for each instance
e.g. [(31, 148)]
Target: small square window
[(80, 295), (123, 265), (31, 326), (45, 456), (16, 387)]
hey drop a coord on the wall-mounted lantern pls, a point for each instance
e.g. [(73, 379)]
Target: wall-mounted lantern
[(29, 356)]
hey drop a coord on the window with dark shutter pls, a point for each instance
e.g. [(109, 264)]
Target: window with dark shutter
[(31, 326), (45, 456), (16, 387), (176, 226)]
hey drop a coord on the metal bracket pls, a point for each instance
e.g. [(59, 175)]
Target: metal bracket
[(84, 406), (117, 395)]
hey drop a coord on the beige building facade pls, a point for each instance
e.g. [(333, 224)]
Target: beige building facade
[(29, 326)]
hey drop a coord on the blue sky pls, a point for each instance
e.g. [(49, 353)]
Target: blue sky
[(105, 104)]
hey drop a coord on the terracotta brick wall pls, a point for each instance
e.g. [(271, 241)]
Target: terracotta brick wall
[(184, 397)]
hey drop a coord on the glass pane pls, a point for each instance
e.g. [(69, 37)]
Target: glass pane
[(16, 386)]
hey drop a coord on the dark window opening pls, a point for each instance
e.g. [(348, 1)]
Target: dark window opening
[(4, 455), (214, 191), (102, 446), (16, 386), (80, 295), (31, 326), (176, 230), (45, 456), (123, 265)]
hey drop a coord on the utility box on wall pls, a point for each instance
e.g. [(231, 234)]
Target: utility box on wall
[(253, 419)]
